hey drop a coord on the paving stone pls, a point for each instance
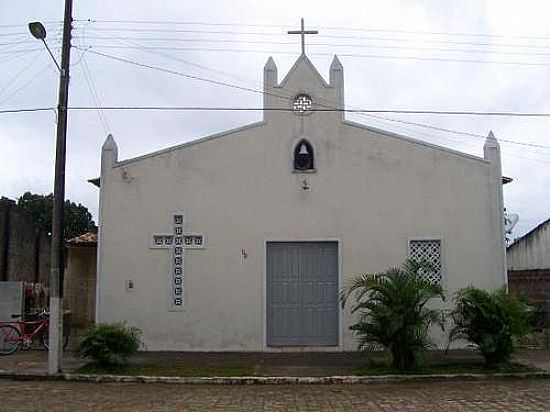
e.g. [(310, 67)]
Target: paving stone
[(490, 395)]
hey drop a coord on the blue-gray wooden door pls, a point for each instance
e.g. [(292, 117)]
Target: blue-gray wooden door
[(302, 293)]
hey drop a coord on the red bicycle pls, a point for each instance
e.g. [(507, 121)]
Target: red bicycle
[(21, 333)]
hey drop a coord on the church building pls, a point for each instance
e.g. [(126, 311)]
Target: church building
[(240, 241)]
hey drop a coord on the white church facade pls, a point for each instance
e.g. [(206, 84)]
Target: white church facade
[(240, 241)]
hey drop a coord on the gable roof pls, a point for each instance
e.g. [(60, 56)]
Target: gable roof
[(529, 234), (303, 59), (86, 239), (413, 140), (191, 143)]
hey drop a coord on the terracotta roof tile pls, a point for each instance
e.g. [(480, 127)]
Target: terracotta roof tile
[(87, 239)]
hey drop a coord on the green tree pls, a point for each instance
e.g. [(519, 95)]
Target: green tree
[(392, 311), (491, 320), (78, 219)]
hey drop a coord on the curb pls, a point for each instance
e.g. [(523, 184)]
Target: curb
[(268, 380)]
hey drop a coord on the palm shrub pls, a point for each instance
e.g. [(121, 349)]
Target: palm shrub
[(393, 313), (491, 320), (110, 344)]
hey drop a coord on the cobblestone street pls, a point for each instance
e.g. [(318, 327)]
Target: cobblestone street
[(516, 395)]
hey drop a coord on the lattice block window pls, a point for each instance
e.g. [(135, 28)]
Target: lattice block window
[(430, 251)]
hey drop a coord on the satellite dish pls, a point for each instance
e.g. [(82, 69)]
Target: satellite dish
[(510, 220)]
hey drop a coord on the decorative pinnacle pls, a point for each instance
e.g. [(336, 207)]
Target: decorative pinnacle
[(336, 64), (270, 65), (110, 143)]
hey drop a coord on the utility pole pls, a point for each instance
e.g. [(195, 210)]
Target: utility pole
[(55, 351)]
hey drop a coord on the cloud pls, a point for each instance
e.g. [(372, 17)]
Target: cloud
[(27, 140)]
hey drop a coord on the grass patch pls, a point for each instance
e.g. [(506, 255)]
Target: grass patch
[(444, 368), (176, 369)]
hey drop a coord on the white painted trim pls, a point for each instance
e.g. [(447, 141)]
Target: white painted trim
[(191, 143), (414, 141), (324, 348)]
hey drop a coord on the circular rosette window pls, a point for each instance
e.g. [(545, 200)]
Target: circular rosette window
[(302, 103)]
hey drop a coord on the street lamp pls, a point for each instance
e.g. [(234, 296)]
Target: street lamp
[(55, 347), (38, 31)]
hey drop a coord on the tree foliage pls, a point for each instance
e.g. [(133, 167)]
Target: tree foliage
[(78, 219), (491, 320), (393, 313), (110, 344)]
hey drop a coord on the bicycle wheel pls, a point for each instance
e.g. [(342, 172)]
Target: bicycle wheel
[(10, 339), (46, 340)]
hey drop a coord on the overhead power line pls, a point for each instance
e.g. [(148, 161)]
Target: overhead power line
[(313, 44), (315, 110), (251, 109), (370, 56), (221, 83), (339, 28), (174, 72), (27, 110), (360, 111), (329, 110), (461, 133), (95, 95), (329, 36), (334, 104)]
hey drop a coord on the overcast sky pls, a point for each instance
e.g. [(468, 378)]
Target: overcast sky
[(394, 55)]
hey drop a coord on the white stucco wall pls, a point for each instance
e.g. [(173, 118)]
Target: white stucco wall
[(372, 192), (531, 251)]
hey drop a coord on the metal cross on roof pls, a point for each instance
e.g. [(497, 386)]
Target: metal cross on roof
[(302, 33)]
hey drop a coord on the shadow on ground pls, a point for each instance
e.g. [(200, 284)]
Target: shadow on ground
[(313, 364)]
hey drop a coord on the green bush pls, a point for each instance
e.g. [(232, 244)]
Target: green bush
[(109, 344), (392, 312), (491, 320)]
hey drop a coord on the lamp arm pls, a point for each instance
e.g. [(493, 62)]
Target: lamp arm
[(51, 54)]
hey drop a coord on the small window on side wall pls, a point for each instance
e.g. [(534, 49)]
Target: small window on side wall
[(428, 251), (303, 156)]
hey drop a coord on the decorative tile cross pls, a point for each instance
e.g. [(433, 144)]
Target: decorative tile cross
[(177, 242)]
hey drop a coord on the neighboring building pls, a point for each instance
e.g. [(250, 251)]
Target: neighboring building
[(80, 281), (529, 267), (24, 248), (531, 251), (240, 241)]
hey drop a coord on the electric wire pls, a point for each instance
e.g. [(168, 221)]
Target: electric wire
[(370, 56), (14, 78), (95, 96), (320, 36), (433, 112), (27, 110), (180, 60), (330, 109), (311, 44), (36, 75), (317, 27), (313, 110)]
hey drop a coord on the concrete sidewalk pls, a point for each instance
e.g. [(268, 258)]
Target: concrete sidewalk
[(309, 364), (36, 361), (537, 358)]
